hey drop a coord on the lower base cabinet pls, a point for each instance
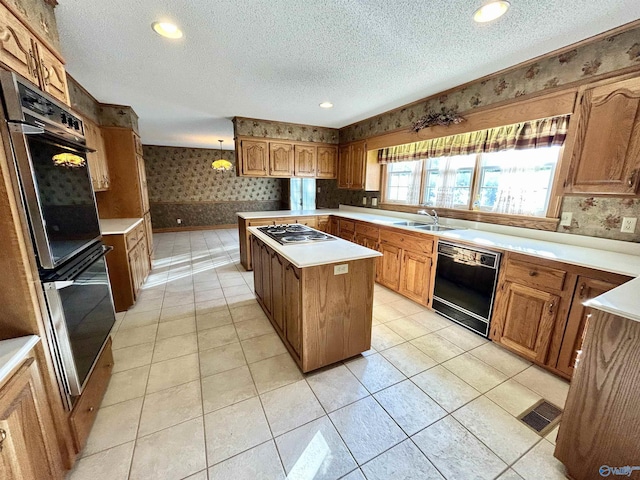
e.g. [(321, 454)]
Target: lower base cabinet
[(28, 445), (415, 278), (318, 325)]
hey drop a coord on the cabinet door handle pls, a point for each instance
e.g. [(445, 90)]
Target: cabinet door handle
[(632, 177), (533, 273), (3, 436), (551, 305), (45, 72), (33, 64), (581, 292)]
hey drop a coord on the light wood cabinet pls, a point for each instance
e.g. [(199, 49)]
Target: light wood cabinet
[(129, 265), (280, 159), (284, 159), (390, 267), (28, 445), (305, 161), (327, 162), (142, 182), (605, 158), (357, 168), (97, 160), (278, 266), (21, 52), (586, 289), (323, 224), (265, 269), (293, 309), (415, 279)]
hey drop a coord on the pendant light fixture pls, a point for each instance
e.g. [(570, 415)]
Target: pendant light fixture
[(221, 165)]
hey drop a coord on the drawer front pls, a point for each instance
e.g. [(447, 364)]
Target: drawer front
[(85, 411), (408, 242), (261, 222), (535, 276), (367, 230), (132, 238), (347, 226)]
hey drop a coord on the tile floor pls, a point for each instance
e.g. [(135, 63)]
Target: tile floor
[(204, 389)]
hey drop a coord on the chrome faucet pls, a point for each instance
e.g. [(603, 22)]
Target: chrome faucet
[(433, 217)]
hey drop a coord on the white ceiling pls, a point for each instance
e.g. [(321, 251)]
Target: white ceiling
[(278, 59)]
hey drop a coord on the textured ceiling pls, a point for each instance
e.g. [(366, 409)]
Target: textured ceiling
[(278, 59)]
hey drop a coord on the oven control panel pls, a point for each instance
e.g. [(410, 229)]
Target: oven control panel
[(34, 102)]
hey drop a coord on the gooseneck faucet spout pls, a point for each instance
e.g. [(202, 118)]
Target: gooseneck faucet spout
[(433, 217)]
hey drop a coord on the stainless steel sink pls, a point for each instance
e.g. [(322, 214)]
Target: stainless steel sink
[(411, 224), (435, 228)]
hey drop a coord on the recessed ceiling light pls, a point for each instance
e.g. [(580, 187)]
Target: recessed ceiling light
[(166, 29), (326, 105), (490, 11)]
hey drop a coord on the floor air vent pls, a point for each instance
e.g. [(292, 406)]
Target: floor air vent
[(542, 417)]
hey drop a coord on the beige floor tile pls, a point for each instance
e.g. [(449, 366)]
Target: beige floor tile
[(409, 406), (132, 357), (475, 372), (407, 307), (173, 372), (408, 328), (215, 319), (355, 475), (220, 359), (206, 295), (176, 299), (553, 435), (155, 455), (135, 336), (366, 429), (382, 337), (234, 429), (448, 390), (237, 290), (175, 312), (385, 313), (500, 359), (315, 450), (226, 388), (540, 463), (140, 319), (290, 406), (437, 347), (509, 475), (408, 359), (170, 407), (113, 464), (231, 279), (259, 463), (217, 337), (463, 338), (501, 432), (431, 320), (202, 475), (405, 461), (336, 387), (513, 397), (264, 346), (126, 385), (456, 453), (545, 384), (175, 328), (245, 299), (114, 425), (211, 306), (275, 372), (375, 372), (253, 328), (241, 314), (146, 303), (175, 347)]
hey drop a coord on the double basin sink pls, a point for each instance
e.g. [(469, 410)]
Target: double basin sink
[(429, 227)]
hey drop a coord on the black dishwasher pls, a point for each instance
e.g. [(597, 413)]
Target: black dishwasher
[(465, 285)]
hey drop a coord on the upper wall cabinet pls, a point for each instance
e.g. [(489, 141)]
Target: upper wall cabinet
[(21, 52), (605, 157), (284, 159), (97, 160), (357, 168)]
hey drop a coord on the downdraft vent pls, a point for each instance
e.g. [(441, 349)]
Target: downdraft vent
[(542, 417)]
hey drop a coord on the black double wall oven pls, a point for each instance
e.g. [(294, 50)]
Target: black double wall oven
[(49, 151)]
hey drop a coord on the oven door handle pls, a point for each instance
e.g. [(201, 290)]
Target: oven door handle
[(37, 128), (70, 279)]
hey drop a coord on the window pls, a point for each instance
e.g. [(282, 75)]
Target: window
[(512, 181)]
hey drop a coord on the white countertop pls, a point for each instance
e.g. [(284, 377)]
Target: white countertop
[(320, 253), (599, 254), (13, 352), (118, 226)]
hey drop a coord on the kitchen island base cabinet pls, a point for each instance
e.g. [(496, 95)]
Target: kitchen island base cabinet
[(322, 317)]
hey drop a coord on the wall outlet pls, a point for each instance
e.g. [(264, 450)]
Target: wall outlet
[(179, 220), (318, 189), (374, 202), (341, 269), (565, 219), (628, 225), (364, 200)]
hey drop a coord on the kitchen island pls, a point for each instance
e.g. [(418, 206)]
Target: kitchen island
[(318, 296)]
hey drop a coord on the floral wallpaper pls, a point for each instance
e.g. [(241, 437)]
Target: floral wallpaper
[(285, 131), (601, 216), (40, 15), (330, 196), (118, 116), (598, 57), (183, 185)]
